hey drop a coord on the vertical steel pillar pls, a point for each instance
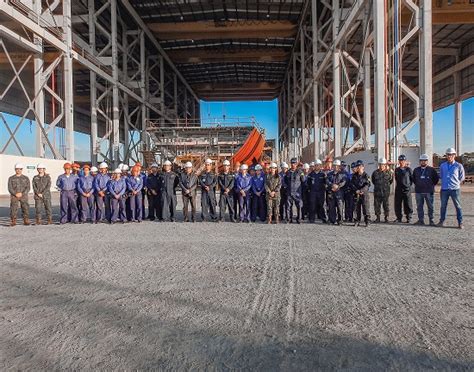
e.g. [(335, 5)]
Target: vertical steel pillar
[(426, 84), (288, 111), (336, 81), (302, 89), (379, 77), (115, 92), (162, 88), (39, 93), (143, 93), (367, 97), (175, 94), (93, 88), (457, 112), (316, 117), (295, 116), (125, 102), (68, 81)]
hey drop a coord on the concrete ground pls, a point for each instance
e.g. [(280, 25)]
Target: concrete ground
[(206, 296)]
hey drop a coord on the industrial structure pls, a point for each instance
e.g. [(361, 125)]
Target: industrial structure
[(349, 75)]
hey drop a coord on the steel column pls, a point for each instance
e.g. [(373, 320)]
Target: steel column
[(336, 83), (68, 81), (367, 99), (379, 77)]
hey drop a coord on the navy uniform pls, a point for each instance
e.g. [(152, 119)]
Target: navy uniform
[(359, 185), (153, 189), (244, 186), (85, 190), (348, 194), (404, 180), (102, 201), (258, 196), (293, 182), (226, 183), (283, 195), (117, 189), (336, 181), (67, 185), (134, 188), (188, 183), (316, 184), (208, 182), (382, 181), (168, 182), (305, 193)]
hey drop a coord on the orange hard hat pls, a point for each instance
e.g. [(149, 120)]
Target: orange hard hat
[(75, 165), (67, 165), (86, 166)]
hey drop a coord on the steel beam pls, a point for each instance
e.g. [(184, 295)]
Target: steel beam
[(68, 81), (380, 93), (336, 82)]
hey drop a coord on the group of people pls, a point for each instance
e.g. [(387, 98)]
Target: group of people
[(333, 193)]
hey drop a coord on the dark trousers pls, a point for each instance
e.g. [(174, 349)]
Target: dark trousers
[(258, 207), (296, 201), (87, 208), (236, 204), (136, 207), (379, 202), (189, 199), (362, 207), (154, 210), (403, 198), (102, 208), (41, 204), (68, 206), (283, 205), (316, 206), (226, 201), (117, 209), (168, 207), (143, 204), (244, 204), (305, 204), (335, 208), (208, 205), (348, 205)]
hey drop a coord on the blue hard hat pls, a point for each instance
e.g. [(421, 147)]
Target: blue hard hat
[(293, 161), (343, 163), (359, 162), (402, 157), (252, 167), (353, 165)]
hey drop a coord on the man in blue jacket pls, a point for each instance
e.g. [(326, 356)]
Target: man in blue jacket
[(85, 189), (243, 186), (425, 179), (258, 195), (117, 188)]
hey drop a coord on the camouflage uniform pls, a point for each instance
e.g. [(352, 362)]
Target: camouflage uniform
[(42, 185), (18, 184), (382, 181), (273, 183)]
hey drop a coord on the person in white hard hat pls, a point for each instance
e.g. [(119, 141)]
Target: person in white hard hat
[(316, 184), (102, 201), (19, 187), (305, 192), (283, 194), (42, 194), (258, 199), (168, 182), (117, 189), (226, 182), (382, 179), (67, 185), (336, 179), (188, 182), (134, 184), (425, 179), (208, 183), (452, 175), (153, 187), (85, 189), (272, 194), (244, 185)]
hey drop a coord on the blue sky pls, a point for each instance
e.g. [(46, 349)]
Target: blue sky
[(266, 114)]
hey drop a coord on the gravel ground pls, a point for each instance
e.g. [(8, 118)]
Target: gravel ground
[(206, 296)]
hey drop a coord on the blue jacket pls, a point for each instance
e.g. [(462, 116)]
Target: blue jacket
[(100, 182), (117, 187), (452, 175), (85, 184), (67, 183), (134, 183), (425, 180), (243, 182), (258, 183), (316, 182)]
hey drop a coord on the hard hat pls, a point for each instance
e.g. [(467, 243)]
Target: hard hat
[(284, 165), (273, 165), (19, 166), (318, 162), (154, 165), (208, 161), (305, 166), (293, 161), (244, 167), (424, 157), (402, 157), (67, 165), (258, 167), (118, 171), (125, 168), (343, 163), (359, 163), (450, 151), (41, 166), (86, 166), (353, 165), (188, 165), (120, 166), (167, 162), (226, 162), (75, 165), (94, 170), (312, 164), (252, 167), (103, 165), (382, 161), (336, 162)]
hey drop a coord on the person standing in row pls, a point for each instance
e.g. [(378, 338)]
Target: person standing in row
[(244, 185), (382, 178), (19, 187), (42, 194), (258, 195), (67, 185), (404, 180), (359, 185), (349, 200), (235, 192), (134, 184), (226, 181), (452, 175), (85, 189), (305, 192), (117, 189), (168, 182), (425, 179), (283, 192), (188, 183), (154, 210), (272, 194), (316, 183), (101, 196), (208, 182), (335, 196), (293, 182)]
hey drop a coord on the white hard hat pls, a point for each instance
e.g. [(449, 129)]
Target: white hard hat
[(336, 162), (258, 167), (244, 167), (312, 164), (382, 161), (125, 167), (120, 166), (208, 161), (318, 162), (41, 166), (188, 165), (118, 171), (284, 165), (305, 166), (154, 165), (273, 165), (424, 157), (103, 165), (94, 169), (226, 162), (167, 162), (19, 166), (450, 151)]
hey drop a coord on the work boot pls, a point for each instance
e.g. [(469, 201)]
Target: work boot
[(419, 223), (440, 224), (269, 220), (386, 219), (13, 222), (26, 221), (366, 222), (432, 223), (377, 220), (277, 220), (50, 220), (38, 220), (461, 226)]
